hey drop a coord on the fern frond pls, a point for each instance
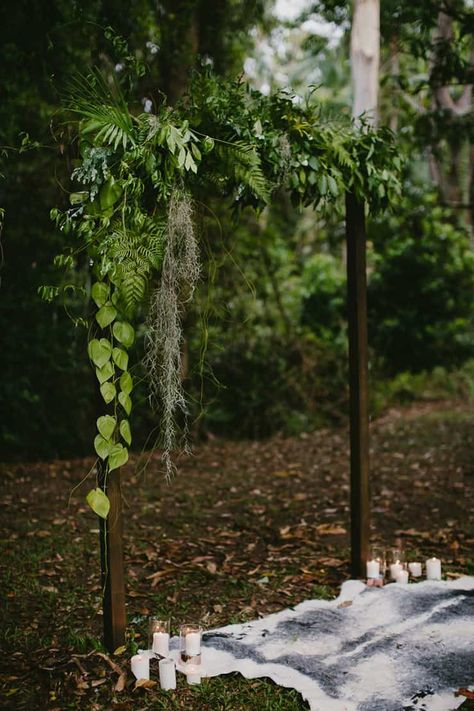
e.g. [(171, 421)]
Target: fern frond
[(243, 162)]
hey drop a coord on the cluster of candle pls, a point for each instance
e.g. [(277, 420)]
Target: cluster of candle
[(399, 571), (159, 640)]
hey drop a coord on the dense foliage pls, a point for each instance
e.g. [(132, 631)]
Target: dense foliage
[(273, 319)]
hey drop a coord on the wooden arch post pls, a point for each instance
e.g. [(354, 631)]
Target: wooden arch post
[(111, 560), (358, 380)]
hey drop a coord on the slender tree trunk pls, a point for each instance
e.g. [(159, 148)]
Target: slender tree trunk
[(452, 164), (365, 59)]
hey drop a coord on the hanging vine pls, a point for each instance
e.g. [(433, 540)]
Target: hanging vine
[(133, 217)]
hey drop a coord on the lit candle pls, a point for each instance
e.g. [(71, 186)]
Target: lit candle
[(394, 569), (373, 568), (167, 674), (402, 577), (433, 569), (161, 643), (140, 666), (415, 569)]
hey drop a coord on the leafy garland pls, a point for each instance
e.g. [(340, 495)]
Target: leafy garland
[(133, 215)]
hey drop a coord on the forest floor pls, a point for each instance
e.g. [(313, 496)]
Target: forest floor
[(245, 528)]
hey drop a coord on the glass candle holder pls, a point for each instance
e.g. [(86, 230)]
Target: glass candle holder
[(190, 644), (395, 563), (377, 558), (159, 636)]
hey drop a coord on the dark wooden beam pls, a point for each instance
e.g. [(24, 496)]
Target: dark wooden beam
[(111, 558), (358, 379)]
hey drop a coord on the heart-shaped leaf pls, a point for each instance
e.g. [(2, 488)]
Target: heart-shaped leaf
[(126, 382), (99, 502), (108, 391), (105, 372), (118, 456), (102, 446), (120, 358), (125, 431), (106, 425), (106, 315), (126, 402), (124, 333), (100, 351), (100, 293)]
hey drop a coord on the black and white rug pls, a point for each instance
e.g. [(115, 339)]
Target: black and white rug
[(372, 649)]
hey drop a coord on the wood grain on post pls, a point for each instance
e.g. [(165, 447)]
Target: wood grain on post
[(358, 379), (111, 557)]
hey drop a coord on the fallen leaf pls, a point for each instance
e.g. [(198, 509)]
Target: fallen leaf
[(329, 529), (120, 685), (144, 684)]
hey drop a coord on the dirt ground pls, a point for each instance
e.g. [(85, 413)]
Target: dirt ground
[(245, 528)]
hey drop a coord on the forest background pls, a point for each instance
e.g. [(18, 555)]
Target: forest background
[(266, 339)]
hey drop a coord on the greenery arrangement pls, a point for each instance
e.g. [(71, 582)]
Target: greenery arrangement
[(138, 173)]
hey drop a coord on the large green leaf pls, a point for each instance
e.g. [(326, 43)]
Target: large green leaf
[(99, 351), (102, 446), (106, 315), (109, 194), (105, 373), (118, 456), (120, 358), (125, 431), (126, 402), (99, 502), (124, 333), (106, 425), (100, 293), (126, 382), (108, 391)]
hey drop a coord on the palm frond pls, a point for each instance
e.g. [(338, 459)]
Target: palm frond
[(104, 107)]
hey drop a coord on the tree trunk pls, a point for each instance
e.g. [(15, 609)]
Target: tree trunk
[(365, 59), (452, 164)]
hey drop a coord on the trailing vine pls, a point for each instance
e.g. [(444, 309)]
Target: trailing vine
[(133, 216)]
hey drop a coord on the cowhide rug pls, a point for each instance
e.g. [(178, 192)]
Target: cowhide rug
[(372, 649)]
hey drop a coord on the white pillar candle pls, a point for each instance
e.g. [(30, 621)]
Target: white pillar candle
[(161, 643), (167, 674), (193, 644), (402, 577), (140, 664), (373, 568), (394, 569), (193, 677), (433, 569), (415, 569)]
